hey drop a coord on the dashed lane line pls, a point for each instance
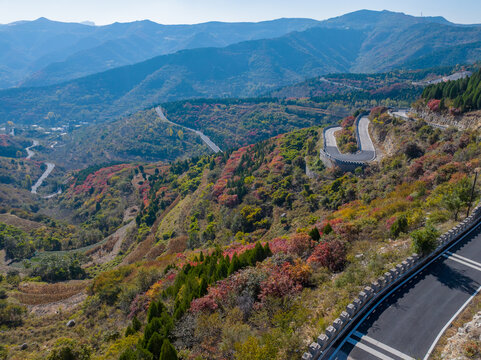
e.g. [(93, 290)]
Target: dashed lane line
[(383, 346), (454, 258), (464, 258), (368, 349)]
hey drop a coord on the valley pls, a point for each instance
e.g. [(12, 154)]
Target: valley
[(277, 190)]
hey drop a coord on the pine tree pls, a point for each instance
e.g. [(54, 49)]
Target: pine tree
[(129, 331), (136, 324), (153, 311), (168, 351), (314, 234), (267, 250), (234, 264), (327, 229), (154, 326), (155, 345), (258, 254), (203, 287), (128, 354), (222, 270), (442, 105)]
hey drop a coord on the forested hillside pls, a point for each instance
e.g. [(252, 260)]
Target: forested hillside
[(386, 41), (229, 123), (64, 51), (457, 96), (238, 255)]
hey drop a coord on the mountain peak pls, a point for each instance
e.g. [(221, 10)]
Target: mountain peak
[(368, 19)]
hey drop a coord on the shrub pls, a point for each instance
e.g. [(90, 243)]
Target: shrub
[(68, 349), (413, 151), (424, 240), (314, 234), (471, 349), (10, 314), (329, 254), (399, 226)]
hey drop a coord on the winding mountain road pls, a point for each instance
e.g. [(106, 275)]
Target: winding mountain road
[(366, 151), (46, 173), (404, 115), (29, 150), (204, 138), (408, 322)]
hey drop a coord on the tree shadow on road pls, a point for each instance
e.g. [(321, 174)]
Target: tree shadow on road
[(454, 278)]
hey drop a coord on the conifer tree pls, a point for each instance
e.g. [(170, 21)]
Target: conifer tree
[(234, 264), (168, 351), (155, 345)]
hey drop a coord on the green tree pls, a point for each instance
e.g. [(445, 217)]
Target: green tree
[(234, 264), (155, 345), (168, 351), (314, 234), (327, 229), (399, 226), (457, 197), (424, 240)]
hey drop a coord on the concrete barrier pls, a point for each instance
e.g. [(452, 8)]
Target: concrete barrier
[(370, 294), (343, 164)]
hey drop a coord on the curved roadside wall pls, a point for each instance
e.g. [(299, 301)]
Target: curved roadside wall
[(343, 164), (373, 293)]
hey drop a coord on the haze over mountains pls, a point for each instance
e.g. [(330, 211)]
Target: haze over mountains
[(364, 41), (44, 52)]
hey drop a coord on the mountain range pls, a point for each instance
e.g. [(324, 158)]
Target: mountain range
[(44, 52), (364, 41)]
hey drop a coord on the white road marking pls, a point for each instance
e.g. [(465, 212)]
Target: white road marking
[(410, 278), (383, 346), (368, 349), (463, 258), (462, 262), (449, 323)]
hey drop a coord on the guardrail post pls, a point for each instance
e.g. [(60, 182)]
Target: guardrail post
[(322, 340), (357, 303), (351, 309), (330, 331), (314, 349), (307, 356)]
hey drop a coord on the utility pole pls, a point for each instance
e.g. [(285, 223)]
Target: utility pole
[(472, 192)]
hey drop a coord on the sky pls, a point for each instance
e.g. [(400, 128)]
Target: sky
[(195, 11)]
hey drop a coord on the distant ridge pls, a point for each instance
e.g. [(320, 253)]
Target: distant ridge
[(249, 68), (44, 52)]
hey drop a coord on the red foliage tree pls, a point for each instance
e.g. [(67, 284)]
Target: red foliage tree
[(329, 254)]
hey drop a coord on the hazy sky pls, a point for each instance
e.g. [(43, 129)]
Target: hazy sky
[(195, 11)]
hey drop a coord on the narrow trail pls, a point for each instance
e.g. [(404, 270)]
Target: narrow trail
[(205, 138)]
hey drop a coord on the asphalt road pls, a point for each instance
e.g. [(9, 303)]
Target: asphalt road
[(408, 322), (204, 138), (404, 115), (50, 167), (366, 152)]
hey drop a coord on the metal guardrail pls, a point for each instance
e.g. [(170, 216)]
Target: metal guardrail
[(375, 292)]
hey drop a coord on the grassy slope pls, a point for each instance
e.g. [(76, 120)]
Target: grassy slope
[(360, 209)]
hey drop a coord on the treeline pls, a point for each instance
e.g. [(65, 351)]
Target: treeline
[(82, 175), (190, 283), (463, 94)]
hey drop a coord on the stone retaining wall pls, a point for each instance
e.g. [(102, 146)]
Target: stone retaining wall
[(375, 291)]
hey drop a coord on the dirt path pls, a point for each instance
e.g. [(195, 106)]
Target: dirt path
[(111, 248), (145, 246)]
